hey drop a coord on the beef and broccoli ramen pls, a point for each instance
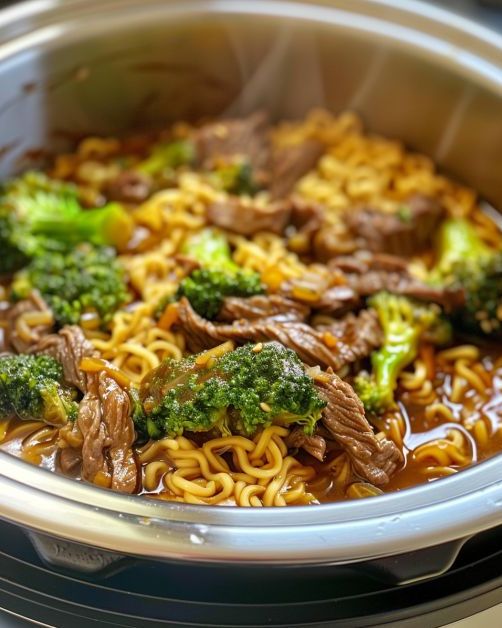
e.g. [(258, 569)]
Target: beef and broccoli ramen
[(242, 313)]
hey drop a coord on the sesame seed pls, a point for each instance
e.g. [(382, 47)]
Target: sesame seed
[(258, 347), (265, 407)]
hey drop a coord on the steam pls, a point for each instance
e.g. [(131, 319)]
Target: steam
[(272, 84)]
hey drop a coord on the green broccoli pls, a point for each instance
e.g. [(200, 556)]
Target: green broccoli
[(206, 289), (404, 323), (88, 279), (465, 261), (167, 156), (210, 248), (238, 392), (38, 213), (32, 387), (236, 178), (218, 278)]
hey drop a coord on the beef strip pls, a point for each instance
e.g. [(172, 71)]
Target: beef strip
[(70, 461), (108, 435), (244, 137), (247, 216), (290, 163), (95, 439), (262, 306), (68, 347), (129, 187), (314, 445), (357, 335), (310, 344), (404, 233), (306, 216), (305, 221), (372, 458), (21, 340), (337, 300), (367, 275), (116, 412), (104, 426)]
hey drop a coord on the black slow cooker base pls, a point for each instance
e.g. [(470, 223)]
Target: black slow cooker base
[(149, 593)]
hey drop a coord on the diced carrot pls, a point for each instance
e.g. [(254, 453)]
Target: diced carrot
[(169, 317), (329, 340)]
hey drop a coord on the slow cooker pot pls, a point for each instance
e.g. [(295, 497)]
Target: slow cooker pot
[(75, 67)]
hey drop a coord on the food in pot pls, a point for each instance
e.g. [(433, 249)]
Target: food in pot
[(241, 313)]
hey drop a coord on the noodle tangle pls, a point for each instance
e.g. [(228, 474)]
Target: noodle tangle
[(227, 470)]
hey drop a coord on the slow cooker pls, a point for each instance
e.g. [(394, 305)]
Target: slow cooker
[(75, 555)]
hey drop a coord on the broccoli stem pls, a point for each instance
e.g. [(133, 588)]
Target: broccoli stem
[(458, 241), (167, 156), (211, 249), (403, 322)]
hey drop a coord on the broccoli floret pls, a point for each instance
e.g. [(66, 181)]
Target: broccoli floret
[(239, 392), (211, 249), (167, 156), (465, 261), (236, 178), (404, 323), (218, 278), (88, 279), (206, 289), (38, 213), (32, 387)]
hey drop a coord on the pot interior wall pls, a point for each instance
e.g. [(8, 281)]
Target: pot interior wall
[(112, 76)]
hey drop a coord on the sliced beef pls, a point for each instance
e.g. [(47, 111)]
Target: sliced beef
[(357, 335), (337, 300), (370, 274), (18, 335), (247, 216), (406, 232), (227, 139), (108, 435), (129, 187), (70, 461), (306, 216), (68, 347), (314, 347), (262, 306), (95, 438), (372, 458), (290, 163), (314, 445), (102, 437)]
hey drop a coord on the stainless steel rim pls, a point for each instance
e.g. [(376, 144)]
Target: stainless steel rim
[(423, 516), (332, 533)]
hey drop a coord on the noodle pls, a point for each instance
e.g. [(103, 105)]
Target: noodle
[(259, 474)]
